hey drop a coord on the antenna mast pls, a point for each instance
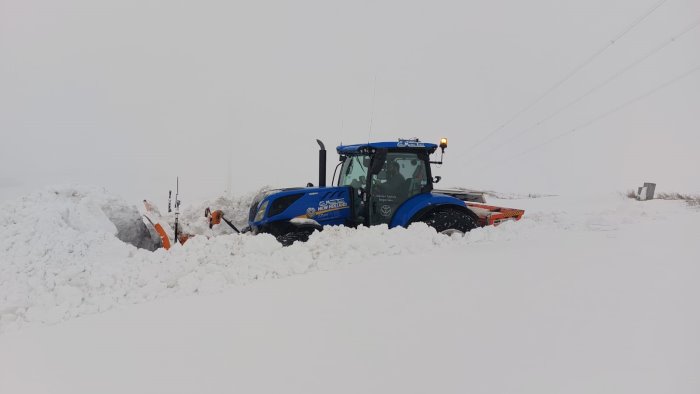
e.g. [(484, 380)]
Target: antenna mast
[(371, 115), (177, 205)]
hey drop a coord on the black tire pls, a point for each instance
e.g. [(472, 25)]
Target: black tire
[(289, 238), (449, 220)]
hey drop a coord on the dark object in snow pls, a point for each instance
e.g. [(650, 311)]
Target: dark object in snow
[(130, 226), (646, 192)]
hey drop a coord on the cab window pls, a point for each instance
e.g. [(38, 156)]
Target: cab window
[(354, 171)]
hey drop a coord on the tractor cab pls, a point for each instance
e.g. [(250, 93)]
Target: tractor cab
[(383, 175)]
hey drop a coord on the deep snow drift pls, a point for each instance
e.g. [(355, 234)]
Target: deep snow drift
[(62, 256), (70, 251), (585, 294)]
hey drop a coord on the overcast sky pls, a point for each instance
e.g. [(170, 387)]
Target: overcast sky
[(129, 94)]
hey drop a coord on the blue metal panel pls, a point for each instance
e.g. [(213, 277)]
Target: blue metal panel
[(326, 205), (416, 203), (350, 149)]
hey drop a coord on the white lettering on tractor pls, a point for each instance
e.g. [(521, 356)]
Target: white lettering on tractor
[(410, 144), (327, 205)]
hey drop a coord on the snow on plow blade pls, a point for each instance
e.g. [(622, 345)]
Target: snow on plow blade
[(490, 215)]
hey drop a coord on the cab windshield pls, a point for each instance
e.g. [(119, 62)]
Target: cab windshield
[(354, 171)]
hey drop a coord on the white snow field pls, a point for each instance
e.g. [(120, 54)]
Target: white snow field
[(586, 294)]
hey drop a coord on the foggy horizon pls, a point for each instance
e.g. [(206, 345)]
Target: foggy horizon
[(128, 95)]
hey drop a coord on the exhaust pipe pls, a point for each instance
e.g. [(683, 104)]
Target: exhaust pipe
[(321, 164)]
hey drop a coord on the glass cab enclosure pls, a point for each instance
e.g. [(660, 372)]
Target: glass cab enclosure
[(382, 181)]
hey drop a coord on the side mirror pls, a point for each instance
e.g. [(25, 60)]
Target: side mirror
[(437, 179)]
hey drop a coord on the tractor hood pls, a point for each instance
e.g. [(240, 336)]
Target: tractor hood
[(262, 196), (276, 201)]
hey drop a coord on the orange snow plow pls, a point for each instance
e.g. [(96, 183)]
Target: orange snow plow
[(490, 215)]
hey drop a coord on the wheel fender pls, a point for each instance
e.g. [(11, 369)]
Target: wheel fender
[(281, 227), (421, 204), (306, 224)]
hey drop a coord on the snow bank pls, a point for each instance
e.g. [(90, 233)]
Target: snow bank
[(67, 252), (235, 209), (52, 240), (63, 254)]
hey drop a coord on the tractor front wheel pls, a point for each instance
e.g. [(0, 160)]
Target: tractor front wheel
[(289, 238), (449, 221)]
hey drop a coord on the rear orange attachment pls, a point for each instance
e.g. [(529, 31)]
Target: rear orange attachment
[(490, 215)]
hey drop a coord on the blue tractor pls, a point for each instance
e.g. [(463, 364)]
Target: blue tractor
[(388, 183)]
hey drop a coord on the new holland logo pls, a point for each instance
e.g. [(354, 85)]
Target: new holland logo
[(310, 213), (330, 205), (324, 207)]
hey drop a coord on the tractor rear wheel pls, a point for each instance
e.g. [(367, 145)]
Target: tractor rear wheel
[(449, 221)]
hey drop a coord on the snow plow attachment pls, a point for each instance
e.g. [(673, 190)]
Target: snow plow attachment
[(490, 215)]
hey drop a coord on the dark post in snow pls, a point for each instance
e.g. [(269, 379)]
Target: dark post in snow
[(646, 192)]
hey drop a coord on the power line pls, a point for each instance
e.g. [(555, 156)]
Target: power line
[(599, 117), (573, 72), (610, 79)]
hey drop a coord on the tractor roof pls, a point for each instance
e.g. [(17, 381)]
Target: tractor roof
[(394, 145)]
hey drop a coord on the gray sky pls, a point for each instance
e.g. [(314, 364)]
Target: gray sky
[(128, 94)]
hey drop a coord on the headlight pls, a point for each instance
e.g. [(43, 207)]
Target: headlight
[(261, 211)]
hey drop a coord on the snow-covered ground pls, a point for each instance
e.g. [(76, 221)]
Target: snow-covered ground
[(586, 294)]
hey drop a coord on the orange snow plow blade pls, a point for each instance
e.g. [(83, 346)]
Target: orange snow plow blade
[(493, 216), (163, 236)]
